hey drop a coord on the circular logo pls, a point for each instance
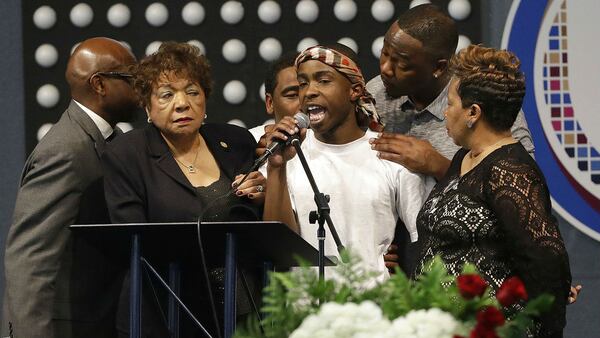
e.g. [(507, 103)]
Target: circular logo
[(562, 103)]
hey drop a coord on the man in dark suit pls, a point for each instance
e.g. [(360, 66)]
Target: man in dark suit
[(58, 285)]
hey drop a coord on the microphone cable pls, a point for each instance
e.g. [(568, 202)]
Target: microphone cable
[(205, 273), (203, 260)]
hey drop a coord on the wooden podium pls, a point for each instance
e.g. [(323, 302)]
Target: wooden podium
[(270, 242)]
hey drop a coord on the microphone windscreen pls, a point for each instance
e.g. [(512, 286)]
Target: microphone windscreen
[(303, 120)]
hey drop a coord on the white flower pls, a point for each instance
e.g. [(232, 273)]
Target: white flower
[(366, 320), (348, 320), (424, 324)]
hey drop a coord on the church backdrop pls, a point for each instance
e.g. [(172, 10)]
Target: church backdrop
[(238, 37)]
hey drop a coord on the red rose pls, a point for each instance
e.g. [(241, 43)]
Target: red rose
[(481, 331), (511, 291), (490, 317), (471, 285)]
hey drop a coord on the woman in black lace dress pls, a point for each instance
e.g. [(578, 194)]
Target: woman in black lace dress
[(493, 207)]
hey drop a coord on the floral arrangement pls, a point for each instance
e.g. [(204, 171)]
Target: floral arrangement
[(299, 305)]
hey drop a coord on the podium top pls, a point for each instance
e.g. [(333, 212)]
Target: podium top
[(257, 240)]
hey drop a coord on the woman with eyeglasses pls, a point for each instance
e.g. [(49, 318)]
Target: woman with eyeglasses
[(492, 208), (178, 168)]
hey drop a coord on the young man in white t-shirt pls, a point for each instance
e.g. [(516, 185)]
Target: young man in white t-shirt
[(367, 194)]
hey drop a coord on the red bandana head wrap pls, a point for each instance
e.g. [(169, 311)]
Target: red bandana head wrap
[(348, 68)]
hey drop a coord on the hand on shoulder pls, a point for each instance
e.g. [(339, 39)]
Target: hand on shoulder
[(416, 155)]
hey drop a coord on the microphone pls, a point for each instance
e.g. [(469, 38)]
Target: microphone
[(303, 122)]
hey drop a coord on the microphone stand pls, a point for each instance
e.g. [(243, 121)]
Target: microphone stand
[(322, 213)]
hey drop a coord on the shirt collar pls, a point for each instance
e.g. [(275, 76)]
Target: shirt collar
[(105, 128), (436, 107)]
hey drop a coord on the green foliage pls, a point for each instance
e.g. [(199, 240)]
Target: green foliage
[(292, 296)]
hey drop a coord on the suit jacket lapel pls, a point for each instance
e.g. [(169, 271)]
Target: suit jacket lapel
[(221, 150), (160, 153), (82, 119)]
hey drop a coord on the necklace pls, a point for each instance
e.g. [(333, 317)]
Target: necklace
[(470, 161), (190, 168), (489, 148)]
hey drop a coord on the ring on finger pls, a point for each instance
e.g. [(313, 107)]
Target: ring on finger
[(260, 188)]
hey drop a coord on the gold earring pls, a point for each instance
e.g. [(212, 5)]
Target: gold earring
[(149, 119)]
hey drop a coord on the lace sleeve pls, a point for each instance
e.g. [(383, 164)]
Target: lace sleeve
[(518, 195)]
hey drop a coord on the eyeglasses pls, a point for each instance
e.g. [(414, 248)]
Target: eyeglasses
[(119, 75)]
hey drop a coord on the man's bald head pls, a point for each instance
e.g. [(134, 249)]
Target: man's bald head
[(91, 56), (97, 73)]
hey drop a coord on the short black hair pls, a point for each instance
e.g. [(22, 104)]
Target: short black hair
[(434, 28), (285, 61)]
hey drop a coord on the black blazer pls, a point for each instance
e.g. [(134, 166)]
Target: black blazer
[(144, 183)]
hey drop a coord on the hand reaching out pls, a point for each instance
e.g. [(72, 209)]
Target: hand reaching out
[(575, 290), (391, 258), (416, 155), (253, 187), (261, 147)]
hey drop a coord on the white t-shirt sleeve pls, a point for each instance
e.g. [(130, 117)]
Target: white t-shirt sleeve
[(411, 192)]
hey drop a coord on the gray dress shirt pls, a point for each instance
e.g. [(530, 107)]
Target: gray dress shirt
[(400, 116)]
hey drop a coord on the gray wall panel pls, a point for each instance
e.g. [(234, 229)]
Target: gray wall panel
[(12, 116)]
